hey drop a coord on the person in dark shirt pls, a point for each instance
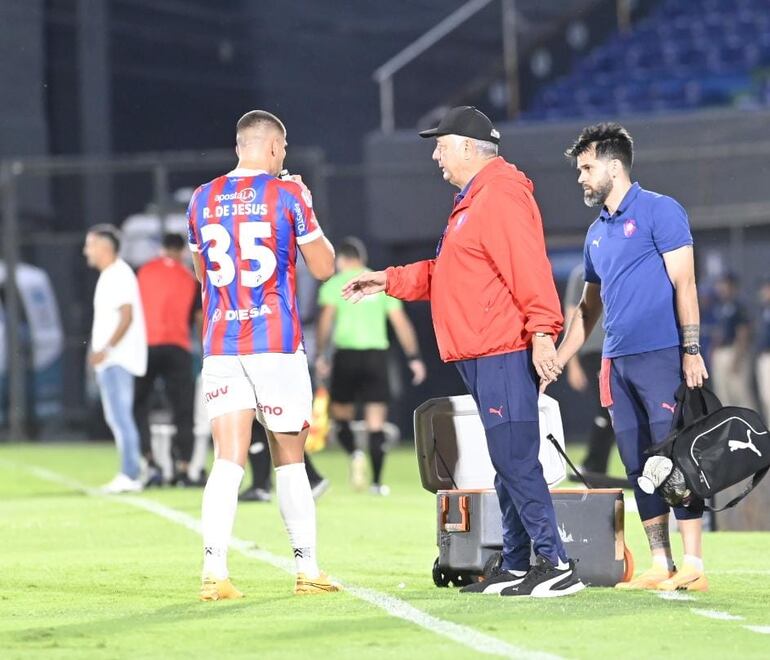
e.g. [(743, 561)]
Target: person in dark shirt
[(763, 347), (170, 299), (731, 343)]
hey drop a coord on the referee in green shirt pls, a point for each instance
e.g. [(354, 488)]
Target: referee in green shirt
[(359, 370)]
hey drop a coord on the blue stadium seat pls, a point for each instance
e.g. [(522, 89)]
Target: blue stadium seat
[(686, 54)]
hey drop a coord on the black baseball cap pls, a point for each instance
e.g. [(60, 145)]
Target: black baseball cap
[(467, 121)]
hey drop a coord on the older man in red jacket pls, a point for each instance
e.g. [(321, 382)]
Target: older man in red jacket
[(496, 315)]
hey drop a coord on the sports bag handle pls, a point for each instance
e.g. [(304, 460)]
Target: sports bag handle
[(757, 478), (692, 404)]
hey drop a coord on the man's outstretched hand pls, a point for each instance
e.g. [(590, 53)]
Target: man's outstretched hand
[(365, 284)]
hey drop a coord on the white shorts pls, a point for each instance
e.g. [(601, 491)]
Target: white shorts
[(275, 385)]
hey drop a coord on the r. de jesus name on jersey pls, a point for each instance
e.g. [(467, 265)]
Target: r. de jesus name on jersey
[(247, 225)]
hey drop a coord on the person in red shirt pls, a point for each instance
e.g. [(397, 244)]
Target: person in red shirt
[(169, 294), (496, 314)]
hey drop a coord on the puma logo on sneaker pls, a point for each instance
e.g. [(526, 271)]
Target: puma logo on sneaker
[(544, 580)]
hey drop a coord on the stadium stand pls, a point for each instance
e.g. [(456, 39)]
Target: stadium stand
[(683, 55)]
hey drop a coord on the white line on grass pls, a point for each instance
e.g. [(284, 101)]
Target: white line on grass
[(740, 571), (716, 614), (762, 630), (673, 595), (395, 607)]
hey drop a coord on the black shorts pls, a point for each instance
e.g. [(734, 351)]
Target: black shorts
[(360, 376)]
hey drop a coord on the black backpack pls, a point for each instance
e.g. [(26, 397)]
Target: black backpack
[(714, 446)]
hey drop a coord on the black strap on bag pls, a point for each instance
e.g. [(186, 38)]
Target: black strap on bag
[(757, 478), (556, 444)]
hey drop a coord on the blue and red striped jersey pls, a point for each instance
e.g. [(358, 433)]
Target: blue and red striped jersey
[(247, 225)]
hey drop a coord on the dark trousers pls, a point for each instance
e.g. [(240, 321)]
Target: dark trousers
[(642, 409), (602, 437), (505, 388), (173, 365)]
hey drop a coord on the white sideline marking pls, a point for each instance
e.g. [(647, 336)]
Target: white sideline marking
[(762, 630), (739, 571), (461, 634), (673, 595), (716, 614)]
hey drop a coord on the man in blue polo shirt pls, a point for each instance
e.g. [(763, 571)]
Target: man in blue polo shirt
[(639, 268)]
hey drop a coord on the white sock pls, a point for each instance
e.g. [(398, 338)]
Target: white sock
[(695, 562), (220, 499), (516, 573), (295, 500), (664, 562), (562, 565)]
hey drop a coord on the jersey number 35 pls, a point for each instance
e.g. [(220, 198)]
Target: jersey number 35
[(219, 240)]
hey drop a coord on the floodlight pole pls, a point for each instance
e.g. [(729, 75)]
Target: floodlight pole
[(160, 184), (17, 404), (623, 10), (93, 73), (511, 58)]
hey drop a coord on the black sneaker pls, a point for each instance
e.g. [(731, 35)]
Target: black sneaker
[(154, 477), (182, 480), (255, 495), (495, 583), (319, 487), (544, 580)]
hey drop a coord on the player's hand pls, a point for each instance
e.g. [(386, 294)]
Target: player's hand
[(545, 359), (694, 370), (322, 368), (576, 376), (297, 178), (365, 284), (97, 358), (418, 370)]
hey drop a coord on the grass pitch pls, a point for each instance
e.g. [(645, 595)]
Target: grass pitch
[(95, 577)]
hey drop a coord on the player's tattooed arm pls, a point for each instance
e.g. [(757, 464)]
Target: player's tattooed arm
[(690, 334), (657, 535)]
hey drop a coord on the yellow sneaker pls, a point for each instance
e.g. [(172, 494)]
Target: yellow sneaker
[(686, 579), (213, 589), (320, 585), (650, 579)]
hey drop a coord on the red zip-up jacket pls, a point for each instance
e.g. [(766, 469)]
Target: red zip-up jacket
[(491, 286)]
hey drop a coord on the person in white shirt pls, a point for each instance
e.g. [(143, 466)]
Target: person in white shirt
[(118, 348)]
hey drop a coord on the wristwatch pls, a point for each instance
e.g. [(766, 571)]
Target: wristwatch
[(692, 349)]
